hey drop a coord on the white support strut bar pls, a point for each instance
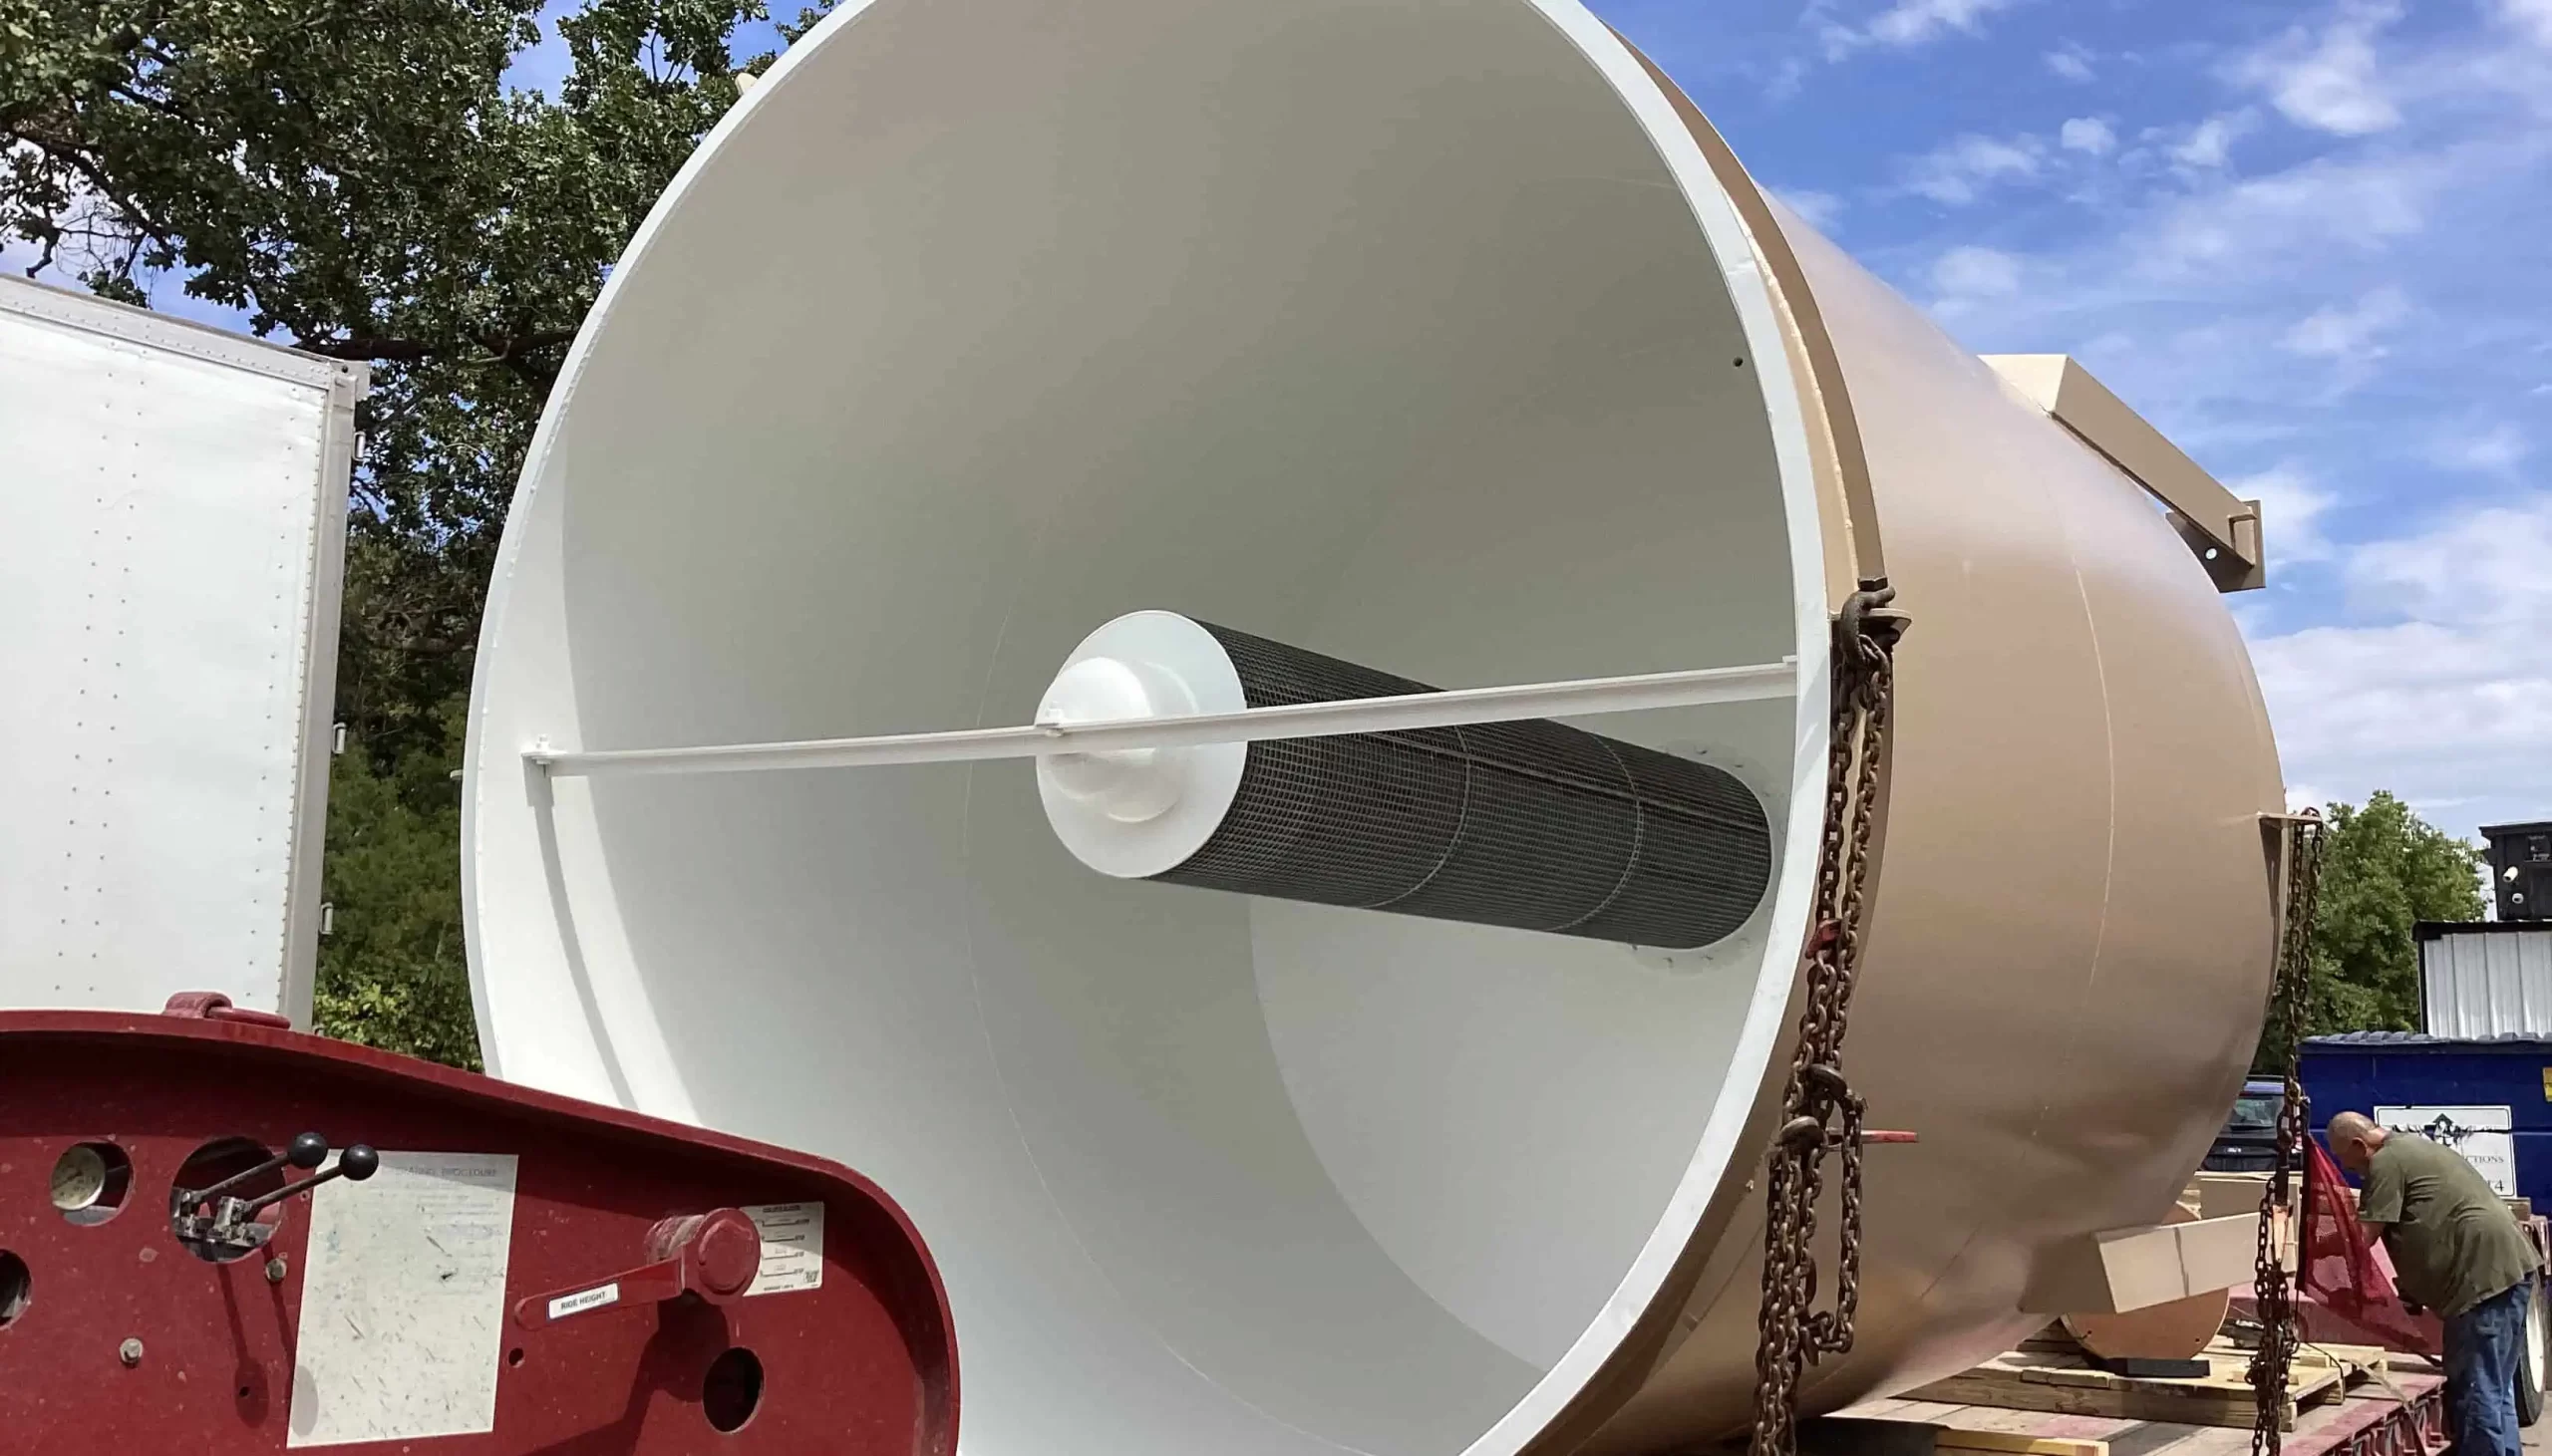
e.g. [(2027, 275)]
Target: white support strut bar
[(1456, 708)]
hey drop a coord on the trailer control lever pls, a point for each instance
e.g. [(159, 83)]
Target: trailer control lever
[(213, 1218), (714, 1256)]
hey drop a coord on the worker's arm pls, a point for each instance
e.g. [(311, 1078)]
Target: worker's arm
[(2379, 1200), (2379, 1204)]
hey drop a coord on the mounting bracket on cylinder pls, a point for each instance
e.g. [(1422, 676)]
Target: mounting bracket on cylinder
[(2222, 529)]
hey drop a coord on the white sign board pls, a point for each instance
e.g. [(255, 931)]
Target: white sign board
[(403, 1302), (2484, 1135)]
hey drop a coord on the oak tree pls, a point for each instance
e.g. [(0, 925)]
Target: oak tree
[(359, 178)]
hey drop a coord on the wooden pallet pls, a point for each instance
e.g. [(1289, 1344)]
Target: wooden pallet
[(2043, 1375), (1965, 1441), (2399, 1416)]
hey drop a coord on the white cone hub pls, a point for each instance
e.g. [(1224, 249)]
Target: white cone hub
[(1131, 784), (1133, 812)]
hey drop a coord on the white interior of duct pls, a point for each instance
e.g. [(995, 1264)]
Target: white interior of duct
[(1380, 329)]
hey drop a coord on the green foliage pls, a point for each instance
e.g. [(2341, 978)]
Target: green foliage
[(393, 974), (357, 178), (2384, 870)]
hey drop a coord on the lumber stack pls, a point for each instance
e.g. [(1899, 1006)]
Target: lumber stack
[(2054, 1376)]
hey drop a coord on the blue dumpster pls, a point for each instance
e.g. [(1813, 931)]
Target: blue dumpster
[(2489, 1099)]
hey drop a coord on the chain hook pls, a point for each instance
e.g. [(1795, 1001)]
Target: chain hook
[(2289, 1012), (1820, 1111)]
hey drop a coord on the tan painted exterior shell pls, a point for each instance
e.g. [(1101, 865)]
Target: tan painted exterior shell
[(2072, 840)]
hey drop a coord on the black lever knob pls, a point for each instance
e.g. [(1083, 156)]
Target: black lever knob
[(216, 1225), (355, 1164), (307, 1151)]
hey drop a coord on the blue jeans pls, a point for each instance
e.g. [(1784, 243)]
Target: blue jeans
[(2483, 1348)]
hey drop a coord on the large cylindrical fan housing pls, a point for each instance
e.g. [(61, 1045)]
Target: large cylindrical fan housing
[(1398, 343)]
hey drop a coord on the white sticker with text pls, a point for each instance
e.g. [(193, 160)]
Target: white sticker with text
[(593, 1299), (793, 1247)]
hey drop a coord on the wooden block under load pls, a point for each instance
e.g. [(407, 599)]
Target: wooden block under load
[(2119, 1270), (2173, 1331)]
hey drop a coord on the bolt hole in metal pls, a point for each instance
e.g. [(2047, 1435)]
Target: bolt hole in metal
[(16, 1288), (515, 1356), (89, 1182), (211, 1164), (733, 1391)]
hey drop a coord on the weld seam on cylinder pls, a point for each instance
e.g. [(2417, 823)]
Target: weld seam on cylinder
[(1639, 839), (1453, 841)]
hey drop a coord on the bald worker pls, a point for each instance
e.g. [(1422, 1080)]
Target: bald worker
[(2455, 1249)]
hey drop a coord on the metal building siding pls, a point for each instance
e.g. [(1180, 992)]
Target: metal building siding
[(2486, 980)]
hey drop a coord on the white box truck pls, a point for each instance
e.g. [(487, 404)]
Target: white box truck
[(172, 508)]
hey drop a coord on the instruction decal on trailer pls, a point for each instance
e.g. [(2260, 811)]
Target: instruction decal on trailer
[(403, 1300), (793, 1247)]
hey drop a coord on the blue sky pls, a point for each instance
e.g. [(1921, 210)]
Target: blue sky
[(2313, 241)]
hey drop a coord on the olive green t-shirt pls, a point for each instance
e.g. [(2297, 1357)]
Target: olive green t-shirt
[(2454, 1243)]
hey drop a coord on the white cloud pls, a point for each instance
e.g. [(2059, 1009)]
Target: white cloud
[(2443, 702), (2349, 333), (2209, 144), (2311, 315), (2492, 451), (2294, 219), (2073, 63), (2088, 134), (1956, 172), (2327, 81), (2290, 508), (1975, 272), (1822, 210), (2480, 568), (2531, 16), (1910, 23)]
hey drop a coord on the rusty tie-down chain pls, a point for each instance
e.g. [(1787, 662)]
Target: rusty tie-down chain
[(1820, 1111), (2272, 1288)]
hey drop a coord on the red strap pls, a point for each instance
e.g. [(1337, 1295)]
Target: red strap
[(2339, 1267)]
